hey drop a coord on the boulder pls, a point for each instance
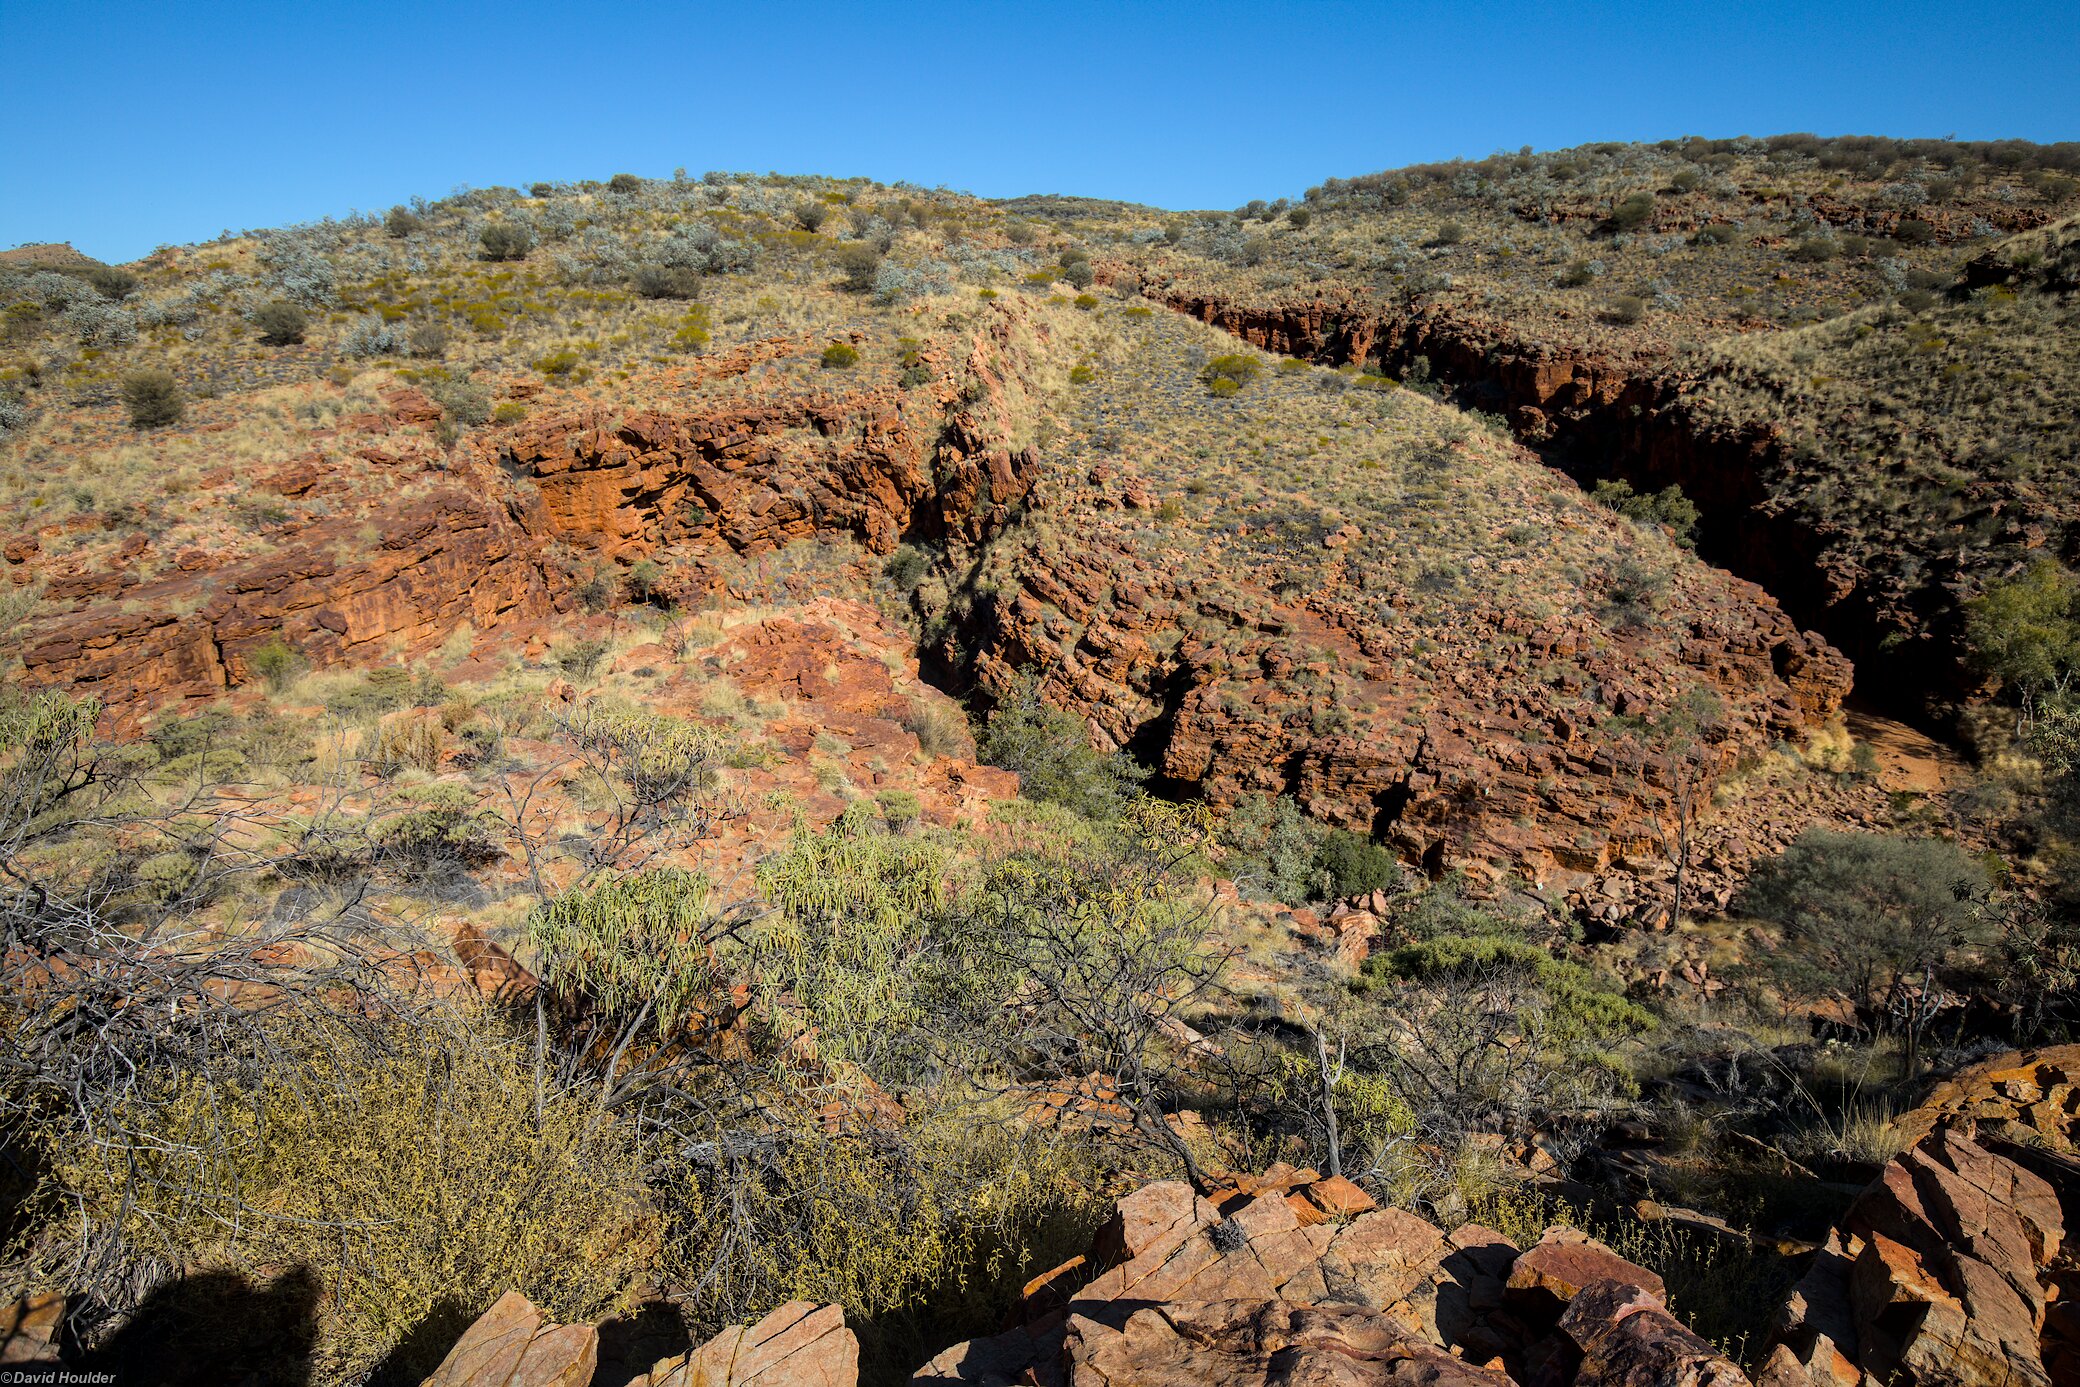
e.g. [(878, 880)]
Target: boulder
[(798, 1345), (1255, 1343), (1566, 1262), (1941, 1273), (510, 1346), (1625, 1337), (1291, 1278)]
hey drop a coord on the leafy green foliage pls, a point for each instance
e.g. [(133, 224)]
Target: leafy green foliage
[(276, 662), (153, 398), (1869, 909), (1275, 851), (1633, 212), (1051, 753), (838, 959), (1668, 507), (1478, 1032), (859, 261), (630, 944), (1239, 369), (2026, 630), (505, 241), (282, 323)]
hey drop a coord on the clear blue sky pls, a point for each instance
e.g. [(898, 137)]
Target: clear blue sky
[(130, 125)]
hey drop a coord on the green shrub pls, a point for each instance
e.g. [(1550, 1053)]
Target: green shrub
[(427, 340), (1078, 273), (810, 216), (1449, 234), (1626, 308), (1299, 217), (488, 1196), (1813, 250), (564, 361), (281, 323), (505, 241), (461, 399), (1668, 507), (153, 398), (1081, 375), (907, 567), (2025, 631), (625, 183), (1269, 849), (667, 281), (582, 659), (1351, 864), (1912, 231), (1868, 910), (401, 223), (1717, 234), (1086, 302), (1051, 753), (276, 662), (860, 261), (693, 333), (839, 356), (1632, 213), (1224, 375), (1577, 273), (110, 282)]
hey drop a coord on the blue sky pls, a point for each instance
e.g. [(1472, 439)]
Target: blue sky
[(133, 125)]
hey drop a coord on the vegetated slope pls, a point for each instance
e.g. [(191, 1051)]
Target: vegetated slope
[(488, 413), (440, 445), (1589, 295), (1359, 597), (486, 622)]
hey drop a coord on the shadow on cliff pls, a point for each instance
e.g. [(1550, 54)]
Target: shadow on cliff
[(216, 1328)]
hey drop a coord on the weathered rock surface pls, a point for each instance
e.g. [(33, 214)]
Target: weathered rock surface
[(1292, 1279), (510, 1346), (798, 1345), (1486, 761), (1245, 1343), (2031, 1098), (878, 464), (1943, 1272), (336, 594), (397, 567)]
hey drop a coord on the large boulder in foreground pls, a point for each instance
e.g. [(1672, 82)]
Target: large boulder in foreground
[(798, 1345), (1946, 1272), (1293, 1279)]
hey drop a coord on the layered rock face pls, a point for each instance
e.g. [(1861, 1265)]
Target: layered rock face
[(1638, 416), (1469, 745), (1296, 1279), (881, 465), (336, 595), (1953, 1269), (444, 542), (798, 1345)]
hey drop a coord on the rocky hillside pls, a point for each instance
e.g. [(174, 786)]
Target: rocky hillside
[(1952, 1267), (1788, 331), (901, 788)]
